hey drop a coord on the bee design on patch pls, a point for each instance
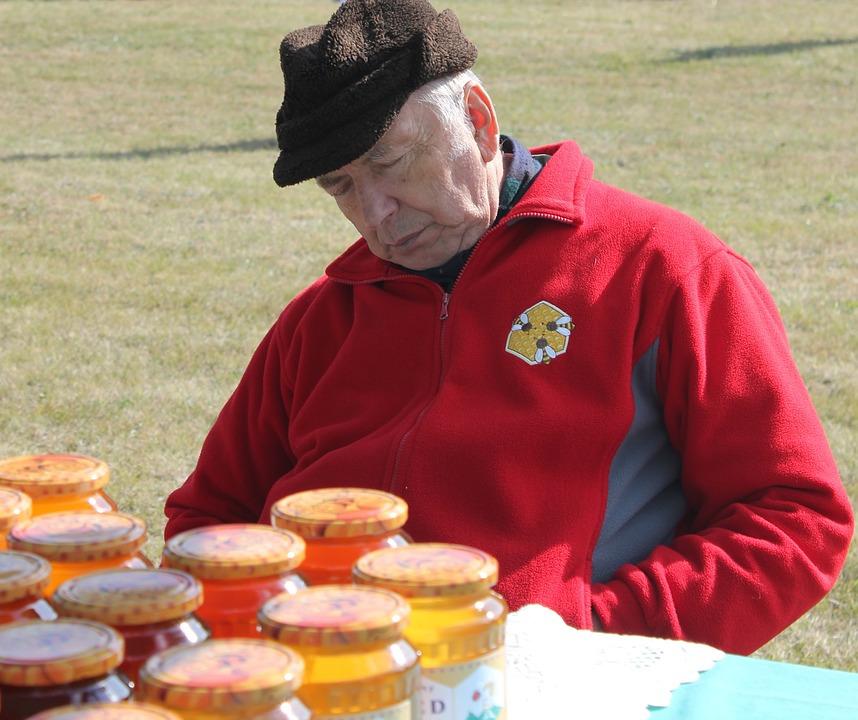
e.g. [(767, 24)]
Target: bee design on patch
[(539, 334)]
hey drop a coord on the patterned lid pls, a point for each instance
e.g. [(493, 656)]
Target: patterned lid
[(129, 597), (339, 512), (232, 552), (79, 536), (38, 653), (334, 615), (22, 575), (44, 475), (428, 570), (107, 711), (219, 675), (15, 505)]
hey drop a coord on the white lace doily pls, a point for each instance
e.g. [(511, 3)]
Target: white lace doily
[(554, 670)]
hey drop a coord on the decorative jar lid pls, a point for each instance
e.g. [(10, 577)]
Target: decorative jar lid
[(428, 570), (124, 596), (234, 551), (22, 575), (334, 615), (339, 512), (107, 711), (15, 505), (221, 675), (79, 536), (40, 653), (44, 475)]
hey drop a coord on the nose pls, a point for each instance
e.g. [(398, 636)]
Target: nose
[(376, 203)]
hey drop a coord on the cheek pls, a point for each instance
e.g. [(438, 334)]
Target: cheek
[(351, 211)]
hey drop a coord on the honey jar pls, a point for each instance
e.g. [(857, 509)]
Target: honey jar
[(227, 679), (57, 482), (47, 664), (339, 525), (15, 505), (23, 579), (78, 542), (457, 624), (108, 711), (153, 609), (240, 566), (356, 662)]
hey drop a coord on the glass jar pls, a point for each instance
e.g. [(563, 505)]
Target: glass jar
[(240, 566), (153, 608), (47, 664), (339, 525), (23, 579), (15, 505), (457, 624), (108, 711), (357, 664), (82, 541), (59, 482), (228, 679)]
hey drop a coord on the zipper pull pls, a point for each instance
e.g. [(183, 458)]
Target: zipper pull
[(445, 301)]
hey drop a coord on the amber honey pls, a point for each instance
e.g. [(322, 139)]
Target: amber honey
[(78, 542), (357, 664), (226, 679), (153, 609), (15, 506), (457, 624), (240, 566), (339, 525), (58, 483), (49, 664), (24, 578)]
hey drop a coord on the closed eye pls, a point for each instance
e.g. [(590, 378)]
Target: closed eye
[(334, 186)]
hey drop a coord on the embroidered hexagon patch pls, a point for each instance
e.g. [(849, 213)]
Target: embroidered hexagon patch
[(539, 334)]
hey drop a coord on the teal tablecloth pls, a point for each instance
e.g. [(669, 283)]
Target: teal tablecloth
[(740, 688)]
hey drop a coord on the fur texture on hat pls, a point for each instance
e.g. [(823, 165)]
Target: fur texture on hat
[(347, 80)]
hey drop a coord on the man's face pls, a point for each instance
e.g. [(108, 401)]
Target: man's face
[(413, 198)]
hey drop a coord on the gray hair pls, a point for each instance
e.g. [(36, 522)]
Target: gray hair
[(444, 95)]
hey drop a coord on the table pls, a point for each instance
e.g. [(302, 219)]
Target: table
[(740, 688)]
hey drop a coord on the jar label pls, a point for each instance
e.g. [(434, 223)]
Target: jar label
[(473, 690), (401, 711)]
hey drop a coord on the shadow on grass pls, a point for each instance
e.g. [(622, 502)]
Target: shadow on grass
[(150, 154), (727, 51)]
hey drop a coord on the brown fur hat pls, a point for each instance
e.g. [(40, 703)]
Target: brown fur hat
[(347, 80)]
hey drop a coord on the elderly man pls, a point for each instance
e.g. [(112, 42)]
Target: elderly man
[(588, 385)]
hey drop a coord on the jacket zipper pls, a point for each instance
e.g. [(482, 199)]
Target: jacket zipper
[(444, 314)]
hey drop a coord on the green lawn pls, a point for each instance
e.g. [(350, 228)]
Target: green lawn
[(145, 249)]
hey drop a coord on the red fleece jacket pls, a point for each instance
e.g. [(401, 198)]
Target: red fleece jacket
[(496, 412)]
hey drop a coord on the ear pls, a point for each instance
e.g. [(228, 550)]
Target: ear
[(482, 114)]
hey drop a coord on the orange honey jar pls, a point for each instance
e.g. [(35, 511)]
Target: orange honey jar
[(227, 679), (107, 711), (457, 624), (78, 542), (340, 525), (356, 663), (15, 505), (23, 579), (240, 566), (48, 664), (153, 609), (59, 482)]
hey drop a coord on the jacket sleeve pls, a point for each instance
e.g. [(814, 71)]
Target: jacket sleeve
[(247, 448), (769, 523)]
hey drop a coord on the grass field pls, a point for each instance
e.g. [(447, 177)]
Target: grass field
[(145, 249)]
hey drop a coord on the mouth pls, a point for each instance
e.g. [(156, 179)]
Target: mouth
[(404, 241)]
